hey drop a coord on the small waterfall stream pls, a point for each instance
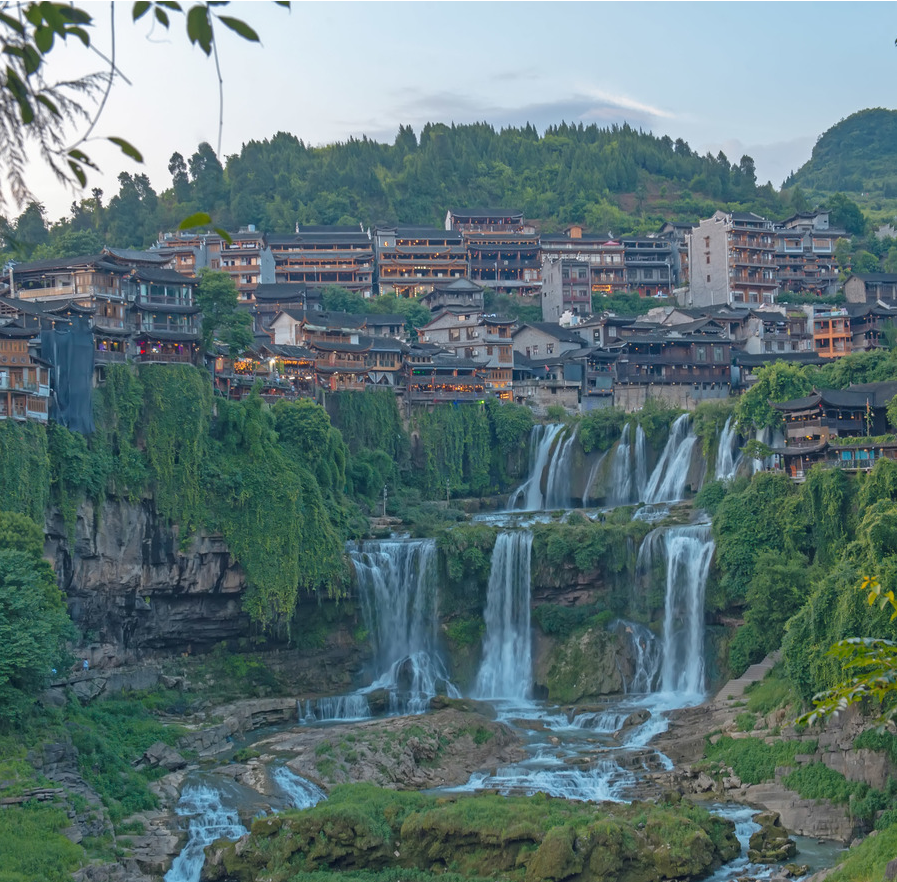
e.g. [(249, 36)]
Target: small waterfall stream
[(667, 482), (506, 669), (728, 456), (528, 496), (629, 468), (210, 819)]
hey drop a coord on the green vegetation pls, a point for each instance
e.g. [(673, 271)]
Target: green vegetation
[(33, 619), (751, 759), (526, 839), (867, 861), (33, 847)]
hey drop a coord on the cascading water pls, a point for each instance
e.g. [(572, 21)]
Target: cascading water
[(528, 496), (629, 468), (689, 551), (558, 493), (728, 456), (621, 471), (646, 654), (337, 707), (301, 794), (209, 820), (667, 482), (587, 491), (397, 584), (506, 669)]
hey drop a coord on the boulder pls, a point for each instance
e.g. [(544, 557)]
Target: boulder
[(771, 843), (160, 756)]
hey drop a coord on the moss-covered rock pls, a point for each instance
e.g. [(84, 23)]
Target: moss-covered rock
[(582, 666), (522, 839)]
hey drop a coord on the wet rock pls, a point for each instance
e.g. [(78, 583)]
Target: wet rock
[(891, 870), (793, 871), (636, 718)]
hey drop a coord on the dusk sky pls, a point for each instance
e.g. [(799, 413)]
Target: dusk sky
[(762, 78)]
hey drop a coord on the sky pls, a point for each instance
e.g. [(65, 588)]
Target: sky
[(761, 78)]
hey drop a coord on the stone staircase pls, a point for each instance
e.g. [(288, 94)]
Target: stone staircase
[(734, 689)]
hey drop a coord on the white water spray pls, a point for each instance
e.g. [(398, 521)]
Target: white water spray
[(667, 482), (528, 496), (506, 669)]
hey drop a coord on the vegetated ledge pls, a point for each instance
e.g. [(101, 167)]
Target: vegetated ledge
[(525, 839)]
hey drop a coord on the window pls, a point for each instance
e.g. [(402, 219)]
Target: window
[(707, 257), (700, 353), (708, 278), (549, 349), (718, 354)]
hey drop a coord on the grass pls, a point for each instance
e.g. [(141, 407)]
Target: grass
[(770, 693), (867, 862), (31, 846), (753, 760)]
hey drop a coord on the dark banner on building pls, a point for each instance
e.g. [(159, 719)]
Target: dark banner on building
[(70, 351)]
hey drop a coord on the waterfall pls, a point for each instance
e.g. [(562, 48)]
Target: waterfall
[(337, 707), (558, 492), (667, 483), (621, 471), (529, 493), (641, 464), (688, 551), (587, 491), (397, 585), (728, 457), (646, 653), (209, 820), (302, 794), (506, 669)]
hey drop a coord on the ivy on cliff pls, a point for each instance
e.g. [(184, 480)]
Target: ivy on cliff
[(24, 469), (177, 414)]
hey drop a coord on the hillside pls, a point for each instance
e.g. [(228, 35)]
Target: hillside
[(616, 178), (857, 156)]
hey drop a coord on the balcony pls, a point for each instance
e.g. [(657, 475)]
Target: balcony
[(340, 363), (102, 356), (165, 357)]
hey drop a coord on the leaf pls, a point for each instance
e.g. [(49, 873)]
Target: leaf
[(140, 9), (81, 34), (12, 23), (43, 39), (224, 235), (199, 28), (43, 99), (286, 4), (239, 27), (78, 172), (162, 17), (200, 219), (170, 4), (127, 148), (81, 157)]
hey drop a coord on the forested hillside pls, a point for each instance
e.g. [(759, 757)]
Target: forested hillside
[(618, 179), (856, 155)]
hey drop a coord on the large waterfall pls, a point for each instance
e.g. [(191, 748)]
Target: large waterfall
[(667, 482), (506, 669), (398, 589), (728, 456), (688, 552), (528, 496), (558, 492)]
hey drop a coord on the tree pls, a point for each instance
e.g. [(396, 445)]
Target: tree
[(779, 381), (38, 113), (865, 262), (845, 214), (33, 619), (218, 299)]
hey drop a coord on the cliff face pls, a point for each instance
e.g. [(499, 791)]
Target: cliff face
[(130, 589)]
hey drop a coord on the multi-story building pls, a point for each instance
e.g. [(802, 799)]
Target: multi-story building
[(831, 332), (805, 254), (606, 268), (483, 339), (503, 252), (566, 287), (248, 259), (462, 294), (871, 288), (189, 252), (650, 265), (411, 261), (325, 255), (731, 258), (677, 234), (24, 378)]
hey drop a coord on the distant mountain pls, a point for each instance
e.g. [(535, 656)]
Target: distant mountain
[(859, 154)]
